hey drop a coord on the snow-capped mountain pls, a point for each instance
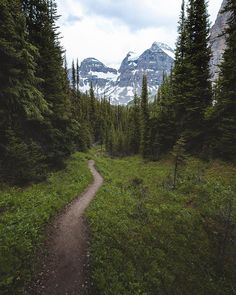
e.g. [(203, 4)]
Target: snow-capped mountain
[(120, 85), (101, 76)]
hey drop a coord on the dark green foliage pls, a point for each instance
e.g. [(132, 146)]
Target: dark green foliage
[(77, 76), (162, 123), (43, 120), (20, 100), (23, 161), (223, 114), (74, 78), (191, 75), (144, 122), (180, 73), (134, 125), (41, 18)]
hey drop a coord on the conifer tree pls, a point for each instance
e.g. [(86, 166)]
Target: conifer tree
[(53, 133), (180, 73), (197, 93), (74, 78), (163, 124), (21, 103), (225, 109), (134, 126), (144, 120), (93, 113), (77, 76)]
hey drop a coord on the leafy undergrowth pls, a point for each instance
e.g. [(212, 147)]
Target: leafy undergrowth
[(24, 214), (150, 239)]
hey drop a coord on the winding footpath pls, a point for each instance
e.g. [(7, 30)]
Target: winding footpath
[(65, 270)]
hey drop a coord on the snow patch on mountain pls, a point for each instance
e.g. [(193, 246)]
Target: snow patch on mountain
[(109, 75), (120, 86), (133, 56)]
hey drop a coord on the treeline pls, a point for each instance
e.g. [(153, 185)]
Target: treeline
[(42, 118), (188, 107)]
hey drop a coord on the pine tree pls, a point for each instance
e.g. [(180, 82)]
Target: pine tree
[(180, 73), (21, 102), (192, 91), (197, 93), (144, 120), (53, 133), (74, 78), (162, 123), (93, 113), (77, 76), (224, 113), (134, 126)]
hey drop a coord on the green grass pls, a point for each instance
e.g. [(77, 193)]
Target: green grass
[(24, 214), (150, 239), (146, 237)]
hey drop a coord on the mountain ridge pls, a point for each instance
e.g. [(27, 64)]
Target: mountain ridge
[(120, 85)]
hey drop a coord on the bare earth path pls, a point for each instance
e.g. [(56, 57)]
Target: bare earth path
[(65, 271)]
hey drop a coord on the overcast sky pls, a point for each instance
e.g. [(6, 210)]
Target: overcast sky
[(108, 29)]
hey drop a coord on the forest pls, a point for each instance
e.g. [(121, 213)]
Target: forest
[(185, 141)]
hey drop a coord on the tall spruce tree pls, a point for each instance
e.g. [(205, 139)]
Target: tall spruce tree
[(162, 123), (225, 109), (180, 73), (197, 91), (20, 100), (144, 120), (74, 78), (134, 125), (77, 76), (53, 133), (93, 113)]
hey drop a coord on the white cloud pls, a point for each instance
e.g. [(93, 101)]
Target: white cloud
[(108, 29)]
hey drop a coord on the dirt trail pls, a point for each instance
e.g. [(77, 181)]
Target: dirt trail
[(65, 270)]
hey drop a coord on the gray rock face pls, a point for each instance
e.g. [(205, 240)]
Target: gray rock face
[(218, 40), (154, 62), (101, 76), (120, 86)]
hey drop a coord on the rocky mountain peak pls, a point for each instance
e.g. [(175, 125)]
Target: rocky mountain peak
[(92, 64), (121, 85)]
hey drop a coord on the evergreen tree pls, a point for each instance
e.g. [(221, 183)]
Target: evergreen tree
[(74, 77), (197, 93), (20, 100), (180, 73), (77, 76), (144, 120), (224, 113), (92, 111), (134, 126), (53, 133), (162, 123), (192, 91)]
